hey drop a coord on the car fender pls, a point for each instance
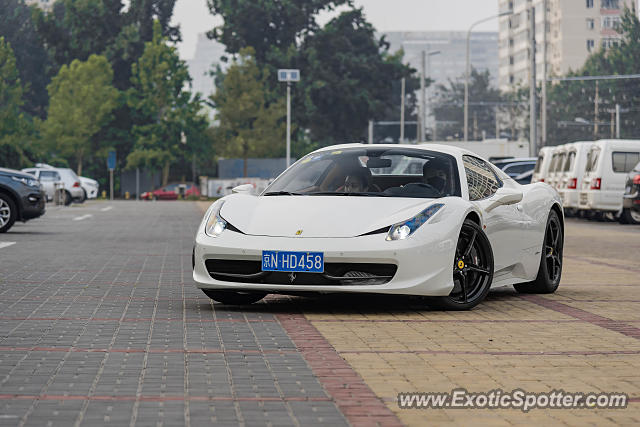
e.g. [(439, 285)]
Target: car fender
[(16, 199)]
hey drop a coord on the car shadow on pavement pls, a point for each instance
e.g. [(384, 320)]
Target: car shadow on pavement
[(347, 304)]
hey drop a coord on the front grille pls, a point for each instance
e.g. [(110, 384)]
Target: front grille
[(335, 274)]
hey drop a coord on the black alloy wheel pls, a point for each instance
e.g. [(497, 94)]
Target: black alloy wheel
[(472, 270), (550, 270)]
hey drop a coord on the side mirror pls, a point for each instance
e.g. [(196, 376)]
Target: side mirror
[(244, 189), (504, 196)]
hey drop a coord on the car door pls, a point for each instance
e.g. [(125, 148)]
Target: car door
[(502, 224)]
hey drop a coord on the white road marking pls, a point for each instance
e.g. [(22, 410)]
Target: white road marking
[(6, 244), (108, 208), (80, 218)]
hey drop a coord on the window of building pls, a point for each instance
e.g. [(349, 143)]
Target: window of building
[(610, 4), (589, 4), (481, 179), (611, 22), (590, 45), (609, 42), (623, 162), (511, 60), (511, 80), (511, 42), (591, 24)]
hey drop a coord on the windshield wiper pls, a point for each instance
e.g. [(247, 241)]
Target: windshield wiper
[(282, 193)]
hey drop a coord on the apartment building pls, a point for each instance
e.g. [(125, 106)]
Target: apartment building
[(574, 30)]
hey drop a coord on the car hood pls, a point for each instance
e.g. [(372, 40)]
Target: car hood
[(317, 216), (88, 181), (16, 173)]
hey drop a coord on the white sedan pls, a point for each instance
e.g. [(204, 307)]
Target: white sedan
[(427, 220)]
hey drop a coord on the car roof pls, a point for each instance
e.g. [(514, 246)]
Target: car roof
[(442, 148)]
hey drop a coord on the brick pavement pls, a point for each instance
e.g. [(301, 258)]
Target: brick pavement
[(107, 328), (101, 324)]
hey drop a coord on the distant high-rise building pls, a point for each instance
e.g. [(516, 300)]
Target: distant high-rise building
[(450, 63), (575, 29), (206, 58), (43, 4)]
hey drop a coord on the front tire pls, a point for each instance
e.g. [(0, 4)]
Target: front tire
[(472, 270), (234, 298), (8, 213), (550, 270)]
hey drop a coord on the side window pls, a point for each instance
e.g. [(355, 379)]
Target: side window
[(568, 165), (481, 179), (624, 162)]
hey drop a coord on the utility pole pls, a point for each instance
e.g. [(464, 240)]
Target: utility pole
[(288, 125), (497, 123), (288, 76), (618, 121), (533, 125), (402, 102), (595, 121), (543, 116), (423, 100), (370, 140)]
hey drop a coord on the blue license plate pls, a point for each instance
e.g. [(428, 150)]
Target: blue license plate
[(310, 262)]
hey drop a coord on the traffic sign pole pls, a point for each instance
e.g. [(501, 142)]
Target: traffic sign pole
[(288, 124), (111, 164), (288, 76)]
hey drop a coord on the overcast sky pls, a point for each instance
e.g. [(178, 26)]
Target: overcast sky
[(385, 15)]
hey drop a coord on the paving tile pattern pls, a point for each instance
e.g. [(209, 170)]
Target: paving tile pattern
[(101, 324)]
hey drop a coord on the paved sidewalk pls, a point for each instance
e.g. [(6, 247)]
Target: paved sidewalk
[(102, 325)]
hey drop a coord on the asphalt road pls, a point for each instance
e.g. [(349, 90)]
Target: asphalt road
[(101, 323)]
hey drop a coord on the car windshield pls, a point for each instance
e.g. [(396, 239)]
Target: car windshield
[(381, 172)]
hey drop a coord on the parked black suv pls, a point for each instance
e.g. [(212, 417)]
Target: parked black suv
[(21, 198)]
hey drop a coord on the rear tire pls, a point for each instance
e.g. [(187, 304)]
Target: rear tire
[(472, 270), (234, 298), (8, 213), (550, 270), (630, 217), (67, 198)]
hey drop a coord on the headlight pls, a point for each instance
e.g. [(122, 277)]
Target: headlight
[(405, 229), (215, 224), (31, 182)]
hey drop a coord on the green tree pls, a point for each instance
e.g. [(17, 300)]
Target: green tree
[(348, 79), (483, 102), (82, 99), (270, 27), (249, 126), (165, 113), (14, 127), (18, 29)]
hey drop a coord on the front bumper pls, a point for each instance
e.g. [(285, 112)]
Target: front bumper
[(33, 205), (424, 260)]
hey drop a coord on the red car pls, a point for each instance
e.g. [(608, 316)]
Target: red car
[(171, 192)]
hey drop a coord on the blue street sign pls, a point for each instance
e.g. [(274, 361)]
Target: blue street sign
[(111, 160)]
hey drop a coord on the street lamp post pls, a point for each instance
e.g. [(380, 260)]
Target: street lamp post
[(468, 70), (288, 76)]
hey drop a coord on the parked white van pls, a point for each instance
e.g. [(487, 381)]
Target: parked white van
[(542, 165), (570, 181), (557, 164), (608, 162)]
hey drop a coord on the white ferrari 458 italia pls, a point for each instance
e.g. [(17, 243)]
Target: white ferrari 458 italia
[(427, 220)]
